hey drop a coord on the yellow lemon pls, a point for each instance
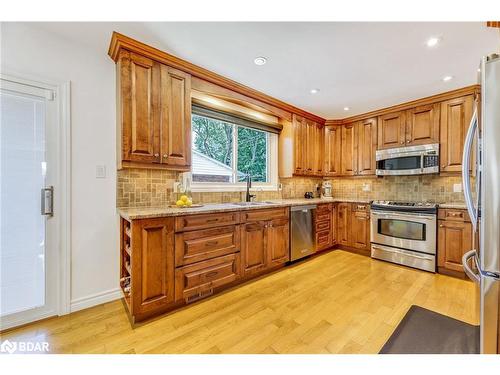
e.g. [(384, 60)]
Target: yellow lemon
[(184, 198), (189, 203), (180, 203)]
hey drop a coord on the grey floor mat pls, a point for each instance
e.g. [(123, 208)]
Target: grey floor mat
[(424, 331)]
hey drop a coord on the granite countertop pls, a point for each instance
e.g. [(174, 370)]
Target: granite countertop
[(152, 212), (457, 206)]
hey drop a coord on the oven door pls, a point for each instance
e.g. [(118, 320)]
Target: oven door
[(412, 231)]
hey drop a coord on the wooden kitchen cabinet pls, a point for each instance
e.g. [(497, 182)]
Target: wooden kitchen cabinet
[(344, 224), (264, 242), (366, 138), (360, 230), (422, 125), (153, 114), (348, 158), (456, 115), (454, 240), (308, 147), (323, 226), (391, 130), (332, 150), (152, 265)]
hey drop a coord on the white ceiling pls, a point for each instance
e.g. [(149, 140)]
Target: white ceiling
[(363, 65)]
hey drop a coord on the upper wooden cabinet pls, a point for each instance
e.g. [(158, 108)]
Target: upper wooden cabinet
[(348, 158), (456, 115), (366, 134), (332, 144), (308, 146), (154, 114), (392, 130), (422, 125), (415, 126)]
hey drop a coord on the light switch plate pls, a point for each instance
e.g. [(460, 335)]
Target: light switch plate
[(100, 171), (457, 188)]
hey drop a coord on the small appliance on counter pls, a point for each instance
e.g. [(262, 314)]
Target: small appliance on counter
[(309, 195), (326, 190)]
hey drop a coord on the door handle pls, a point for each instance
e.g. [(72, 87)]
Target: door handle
[(465, 170), (468, 270), (47, 201)]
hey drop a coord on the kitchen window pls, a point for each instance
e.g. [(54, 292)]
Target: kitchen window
[(225, 148)]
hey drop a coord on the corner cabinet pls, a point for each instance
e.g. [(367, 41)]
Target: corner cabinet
[(153, 114)]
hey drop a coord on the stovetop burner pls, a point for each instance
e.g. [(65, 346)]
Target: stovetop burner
[(404, 206)]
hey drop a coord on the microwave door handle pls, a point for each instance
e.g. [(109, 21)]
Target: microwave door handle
[(465, 169)]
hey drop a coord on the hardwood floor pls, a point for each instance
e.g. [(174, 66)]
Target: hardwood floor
[(338, 302)]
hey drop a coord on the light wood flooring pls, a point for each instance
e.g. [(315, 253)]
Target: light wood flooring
[(338, 302)]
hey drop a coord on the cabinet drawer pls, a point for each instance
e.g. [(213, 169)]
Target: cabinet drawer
[(322, 226), (453, 215), (323, 239), (269, 214), (323, 217), (364, 207), (195, 246), (201, 278), (324, 209), (193, 222)]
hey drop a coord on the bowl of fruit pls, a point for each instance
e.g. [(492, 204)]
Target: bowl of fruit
[(186, 202)]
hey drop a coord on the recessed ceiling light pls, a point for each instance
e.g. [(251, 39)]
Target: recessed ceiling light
[(433, 42), (447, 78), (314, 91), (346, 108), (260, 60)]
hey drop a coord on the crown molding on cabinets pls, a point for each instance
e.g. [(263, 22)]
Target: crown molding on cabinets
[(468, 90), (120, 41), (493, 24)]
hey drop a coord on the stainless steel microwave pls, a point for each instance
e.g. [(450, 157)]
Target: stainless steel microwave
[(412, 160)]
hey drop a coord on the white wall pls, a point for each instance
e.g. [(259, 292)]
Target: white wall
[(31, 52)]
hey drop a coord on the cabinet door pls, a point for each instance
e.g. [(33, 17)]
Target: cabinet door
[(318, 150), (367, 145), (332, 150), (253, 247), (334, 224), (360, 231), (300, 139), (138, 112), (175, 117), (454, 240), (422, 125), (348, 156), (455, 120), (278, 243), (152, 264), (391, 130), (344, 224), (310, 151)]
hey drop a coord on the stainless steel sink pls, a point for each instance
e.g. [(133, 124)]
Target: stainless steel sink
[(244, 204)]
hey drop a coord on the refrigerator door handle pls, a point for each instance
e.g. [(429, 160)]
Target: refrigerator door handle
[(472, 254), (465, 170)]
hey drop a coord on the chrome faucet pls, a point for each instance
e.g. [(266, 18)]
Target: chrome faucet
[(248, 197)]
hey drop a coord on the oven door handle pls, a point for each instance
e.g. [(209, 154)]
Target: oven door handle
[(406, 216), (410, 254)]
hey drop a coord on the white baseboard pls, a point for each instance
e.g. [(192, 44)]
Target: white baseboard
[(96, 299)]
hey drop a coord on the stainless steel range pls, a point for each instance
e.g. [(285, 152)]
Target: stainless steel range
[(404, 233)]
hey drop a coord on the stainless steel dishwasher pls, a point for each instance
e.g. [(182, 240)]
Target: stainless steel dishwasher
[(303, 242)]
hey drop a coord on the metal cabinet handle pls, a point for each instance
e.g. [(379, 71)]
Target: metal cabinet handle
[(165, 156)]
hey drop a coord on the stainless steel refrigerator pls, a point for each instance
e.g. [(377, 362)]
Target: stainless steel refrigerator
[(483, 204)]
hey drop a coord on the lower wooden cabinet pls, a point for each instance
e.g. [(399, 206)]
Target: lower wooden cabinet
[(152, 264), (353, 226), (264, 243), (200, 279), (324, 226), (360, 230), (454, 240), (344, 224)]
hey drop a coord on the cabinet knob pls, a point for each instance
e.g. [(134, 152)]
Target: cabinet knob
[(165, 156), (402, 142), (441, 225), (156, 155), (407, 141)]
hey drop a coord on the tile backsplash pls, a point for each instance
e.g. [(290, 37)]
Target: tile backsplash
[(150, 188), (425, 188)]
